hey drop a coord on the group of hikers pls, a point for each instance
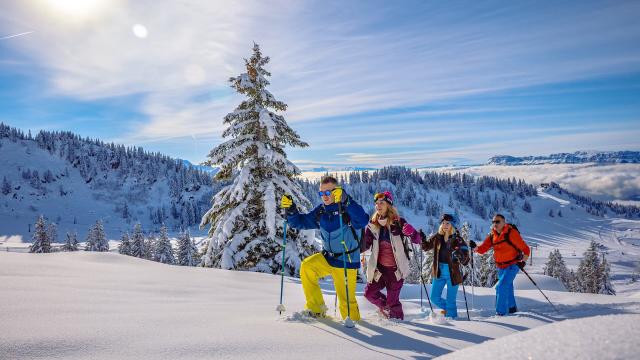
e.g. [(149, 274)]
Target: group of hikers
[(388, 235)]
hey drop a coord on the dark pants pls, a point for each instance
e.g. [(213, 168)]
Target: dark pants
[(391, 301)]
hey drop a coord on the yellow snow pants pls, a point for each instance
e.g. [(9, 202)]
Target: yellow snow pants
[(315, 267)]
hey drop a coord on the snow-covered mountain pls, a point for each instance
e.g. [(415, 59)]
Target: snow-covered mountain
[(578, 157), (75, 181), (548, 217)]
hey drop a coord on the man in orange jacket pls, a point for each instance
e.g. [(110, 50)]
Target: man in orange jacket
[(510, 253)]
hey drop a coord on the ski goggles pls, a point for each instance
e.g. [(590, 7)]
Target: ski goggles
[(325, 193), (386, 196)]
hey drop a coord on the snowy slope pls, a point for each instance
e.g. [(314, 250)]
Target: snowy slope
[(104, 306), (614, 336), (75, 204)]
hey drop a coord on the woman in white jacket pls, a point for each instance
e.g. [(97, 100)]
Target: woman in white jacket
[(388, 264)]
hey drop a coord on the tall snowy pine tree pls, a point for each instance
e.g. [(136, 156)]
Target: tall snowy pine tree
[(137, 242), (96, 238), (187, 251), (588, 276), (555, 267), (41, 241), (246, 226), (164, 251), (125, 245)]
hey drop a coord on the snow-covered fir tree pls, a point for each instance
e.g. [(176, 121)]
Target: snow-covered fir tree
[(245, 224), (187, 251), (96, 238), (137, 242), (40, 239), (551, 213), (149, 247), (526, 206), (589, 274), (606, 287), (164, 252), (125, 244), (71, 242), (488, 272), (52, 232), (555, 267)]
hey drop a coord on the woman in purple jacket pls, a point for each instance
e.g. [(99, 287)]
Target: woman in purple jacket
[(388, 264)]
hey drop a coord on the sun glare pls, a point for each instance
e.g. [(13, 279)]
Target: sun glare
[(76, 9)]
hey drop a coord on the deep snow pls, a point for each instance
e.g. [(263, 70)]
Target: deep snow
[(105, 306)]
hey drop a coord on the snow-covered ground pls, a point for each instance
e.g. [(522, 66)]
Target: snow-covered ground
[(106, 306)]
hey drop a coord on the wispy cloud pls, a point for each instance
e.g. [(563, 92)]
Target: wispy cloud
[(355, 64)]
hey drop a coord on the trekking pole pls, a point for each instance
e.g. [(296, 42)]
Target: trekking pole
[(347, 322), (473, 282), (280, 307), (465, 299), (421, 262), (536, 285), (423, 283)]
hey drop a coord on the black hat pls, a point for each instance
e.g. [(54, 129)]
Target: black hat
[(446, 217)]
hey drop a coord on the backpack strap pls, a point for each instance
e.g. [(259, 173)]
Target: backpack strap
[(508, 241), (346, 220), (405, 246)]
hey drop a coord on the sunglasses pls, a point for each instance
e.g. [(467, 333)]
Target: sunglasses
[(325, 193), (496, 221)]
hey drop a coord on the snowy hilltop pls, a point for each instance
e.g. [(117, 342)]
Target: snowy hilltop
[(75, 181), (578, 157)]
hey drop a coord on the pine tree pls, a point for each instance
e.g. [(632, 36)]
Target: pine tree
[(41, 241), (137, 242), (556, 267), (125, 245), (588, 276), (164, 252), (488, 272), (71, 244), (187, 251), (526, 206), (551, 213), (52, 232), (6, 186), (606, 287), (245, 225), (96, 238), (150, 247)]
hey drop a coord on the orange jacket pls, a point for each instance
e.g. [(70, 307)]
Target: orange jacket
[(504, 254)]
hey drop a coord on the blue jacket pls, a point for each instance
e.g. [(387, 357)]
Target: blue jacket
[(329, 226)]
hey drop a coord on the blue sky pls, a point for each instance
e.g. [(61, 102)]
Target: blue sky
[(368, 83)]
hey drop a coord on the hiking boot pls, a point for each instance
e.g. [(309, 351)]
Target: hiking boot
[(513, 310)]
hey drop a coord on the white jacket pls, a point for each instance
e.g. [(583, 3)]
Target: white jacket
[(398, 253)]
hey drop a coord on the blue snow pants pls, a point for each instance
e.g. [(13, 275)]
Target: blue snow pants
[(449, 305), (505, 297)]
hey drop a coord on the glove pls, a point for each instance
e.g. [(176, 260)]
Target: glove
[(339, 195), (455, 256), (521, 265), (286, 201), (525, 257), (472, 244), (408, 230)]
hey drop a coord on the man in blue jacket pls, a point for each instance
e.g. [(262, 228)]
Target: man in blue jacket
[(339, 245)]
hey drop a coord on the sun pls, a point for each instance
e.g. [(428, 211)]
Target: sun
[(75, 9)]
